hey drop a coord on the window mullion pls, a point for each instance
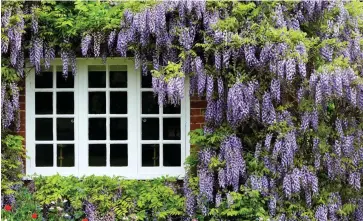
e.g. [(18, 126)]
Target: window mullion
[(107, 118), (82, 119), (54, 116)]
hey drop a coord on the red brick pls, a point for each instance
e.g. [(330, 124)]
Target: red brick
[(22, 106), (195, 112), (22, 117), (21, 133), (22, 99), (22, 126), (197, 119), (198, 104), (194, 126)]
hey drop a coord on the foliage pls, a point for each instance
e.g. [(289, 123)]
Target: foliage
[(24, 209), (11, 165), (159, 198), (246, 205)]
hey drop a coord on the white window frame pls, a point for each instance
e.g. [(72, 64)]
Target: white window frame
[(134, 170)]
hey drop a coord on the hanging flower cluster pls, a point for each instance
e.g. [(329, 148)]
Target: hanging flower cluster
[(10, 115)]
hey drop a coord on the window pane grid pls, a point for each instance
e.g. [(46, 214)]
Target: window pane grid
[(161, 142), (121, 157), (108, 117), (54, 116)]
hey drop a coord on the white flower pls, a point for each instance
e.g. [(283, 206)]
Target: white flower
[(52, 202), (59, 208), (51, 208), (64, 201)]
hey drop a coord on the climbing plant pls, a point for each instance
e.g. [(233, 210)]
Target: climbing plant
[(282, 80)]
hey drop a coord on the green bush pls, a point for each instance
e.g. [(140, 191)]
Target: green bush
[(160, 198), (25, 209)]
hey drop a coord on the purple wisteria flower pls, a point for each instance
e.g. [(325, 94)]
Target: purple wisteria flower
[(235, 168), (268, 110), (85, 44)]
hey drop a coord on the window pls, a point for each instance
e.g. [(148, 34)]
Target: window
[(103, 121)]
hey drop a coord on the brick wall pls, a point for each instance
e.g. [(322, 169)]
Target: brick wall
[(22, 111), (197, 109)]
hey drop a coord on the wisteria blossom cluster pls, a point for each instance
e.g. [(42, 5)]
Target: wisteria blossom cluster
[(10, 115), (168, 91)]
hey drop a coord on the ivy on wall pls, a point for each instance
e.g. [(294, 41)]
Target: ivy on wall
[(283, 82)]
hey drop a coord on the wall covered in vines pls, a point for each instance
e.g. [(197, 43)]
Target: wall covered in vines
[(282, 80)]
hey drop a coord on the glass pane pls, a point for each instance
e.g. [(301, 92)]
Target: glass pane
[(97, 155), (118, 155), (118, 128), (44, 129), (44, 155), (171, 109), (65, 129), (43, 103), (44, 79), (97, 129), (65, 103), (118, 76), (118, 102), (63, 82), (150, 155), (149, 103), (65, 155), (150, 129), (172, 155), (146, 81), (171, 128), (97, 102), (96, 76)]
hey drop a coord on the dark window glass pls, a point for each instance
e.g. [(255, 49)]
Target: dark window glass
[(65, 129), (65, 103), (97, 102), (149, 103), (97, 128), (150, 129), (171, 109), (96, 76), (172, 155), (118, 128), (44, 80), (118, 76), (146, 81), (150, 155), (118, 155), (171, 127), (97, 155), (43, 103), (63, 82), (44, 155), (65, 155), (118, 102), (43, 129)]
